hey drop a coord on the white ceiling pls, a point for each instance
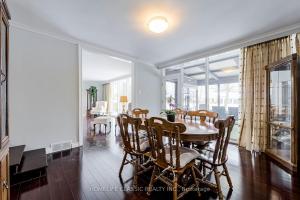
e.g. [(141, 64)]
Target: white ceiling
[(120, 25), (100, 67)]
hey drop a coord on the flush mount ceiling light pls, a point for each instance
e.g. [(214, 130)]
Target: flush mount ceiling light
[(158, 24)]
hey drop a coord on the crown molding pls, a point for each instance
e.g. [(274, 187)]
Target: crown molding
[(285, 31), (81, 43)]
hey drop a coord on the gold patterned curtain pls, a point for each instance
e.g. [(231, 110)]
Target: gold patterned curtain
[(253, 90), (106, 94), (298, 43)]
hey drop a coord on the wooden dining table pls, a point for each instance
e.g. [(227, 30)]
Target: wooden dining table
[(196, 131)]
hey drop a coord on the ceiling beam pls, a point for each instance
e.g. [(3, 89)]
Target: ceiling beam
[(212, 71), (222, 80), (213, 75), (235, 57)]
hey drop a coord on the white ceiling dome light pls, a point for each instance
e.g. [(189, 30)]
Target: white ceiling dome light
[(158, 24)]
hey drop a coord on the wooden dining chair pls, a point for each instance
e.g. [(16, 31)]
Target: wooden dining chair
[(212, 159), (170, 159), (133, 145), (141, 113), (203, 115), (197, 115), (180, 114), (211, 116)]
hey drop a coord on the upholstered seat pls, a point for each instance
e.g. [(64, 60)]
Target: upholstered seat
[(207, 155), (186, 155), (144, 144), (142, 133)]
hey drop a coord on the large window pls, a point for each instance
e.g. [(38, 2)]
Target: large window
[(210, 83), (119, 88)]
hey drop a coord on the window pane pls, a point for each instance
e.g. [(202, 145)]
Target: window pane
[(190, 98), (224, 88), (201, 97), (213, 97), (119, 88), (170, 95)]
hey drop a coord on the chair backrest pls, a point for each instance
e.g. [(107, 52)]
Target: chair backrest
[(180, 113), (204, 115), (102, 106), (225, 128), (129, 129), (164, 140), (211, 116), (141, 113)]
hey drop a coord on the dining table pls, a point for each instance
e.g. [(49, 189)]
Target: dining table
[(196, 130)]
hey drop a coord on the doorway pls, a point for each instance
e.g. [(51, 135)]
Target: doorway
[(105, 90)]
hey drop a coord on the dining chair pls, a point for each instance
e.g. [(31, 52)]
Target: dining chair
[(170, 159), (204, 115), (211, 116), (133, 144), (138, 112), (211, 159), (180, 114)]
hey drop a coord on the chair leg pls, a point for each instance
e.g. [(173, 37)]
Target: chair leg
[(196, 182), (203, 166), (175, 186), (227, 176), (217, 177), (150, 187), (122, 165), (136, 170)]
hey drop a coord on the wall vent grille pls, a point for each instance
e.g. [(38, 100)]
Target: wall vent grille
[(61, 146)]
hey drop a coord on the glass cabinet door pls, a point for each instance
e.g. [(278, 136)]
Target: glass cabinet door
[(280, 116), (3, 89)]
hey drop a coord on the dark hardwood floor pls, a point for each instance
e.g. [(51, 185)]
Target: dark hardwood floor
[(91, 172)]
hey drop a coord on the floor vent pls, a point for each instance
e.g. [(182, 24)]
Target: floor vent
[(61, 146)]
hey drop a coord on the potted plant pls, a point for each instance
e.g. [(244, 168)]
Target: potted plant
[(170, 115), (93, 93)]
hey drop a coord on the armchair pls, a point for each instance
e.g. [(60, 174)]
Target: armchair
[(100, 108)]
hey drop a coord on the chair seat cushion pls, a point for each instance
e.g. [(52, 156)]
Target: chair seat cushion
[(186, 155), (143, 134), (207, 155), (144, 144)]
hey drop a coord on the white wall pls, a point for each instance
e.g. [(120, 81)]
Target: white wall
[(147, 84), (43, 90)]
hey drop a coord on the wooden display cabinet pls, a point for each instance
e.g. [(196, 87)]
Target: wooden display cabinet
[(4, 46), (283, 79)]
